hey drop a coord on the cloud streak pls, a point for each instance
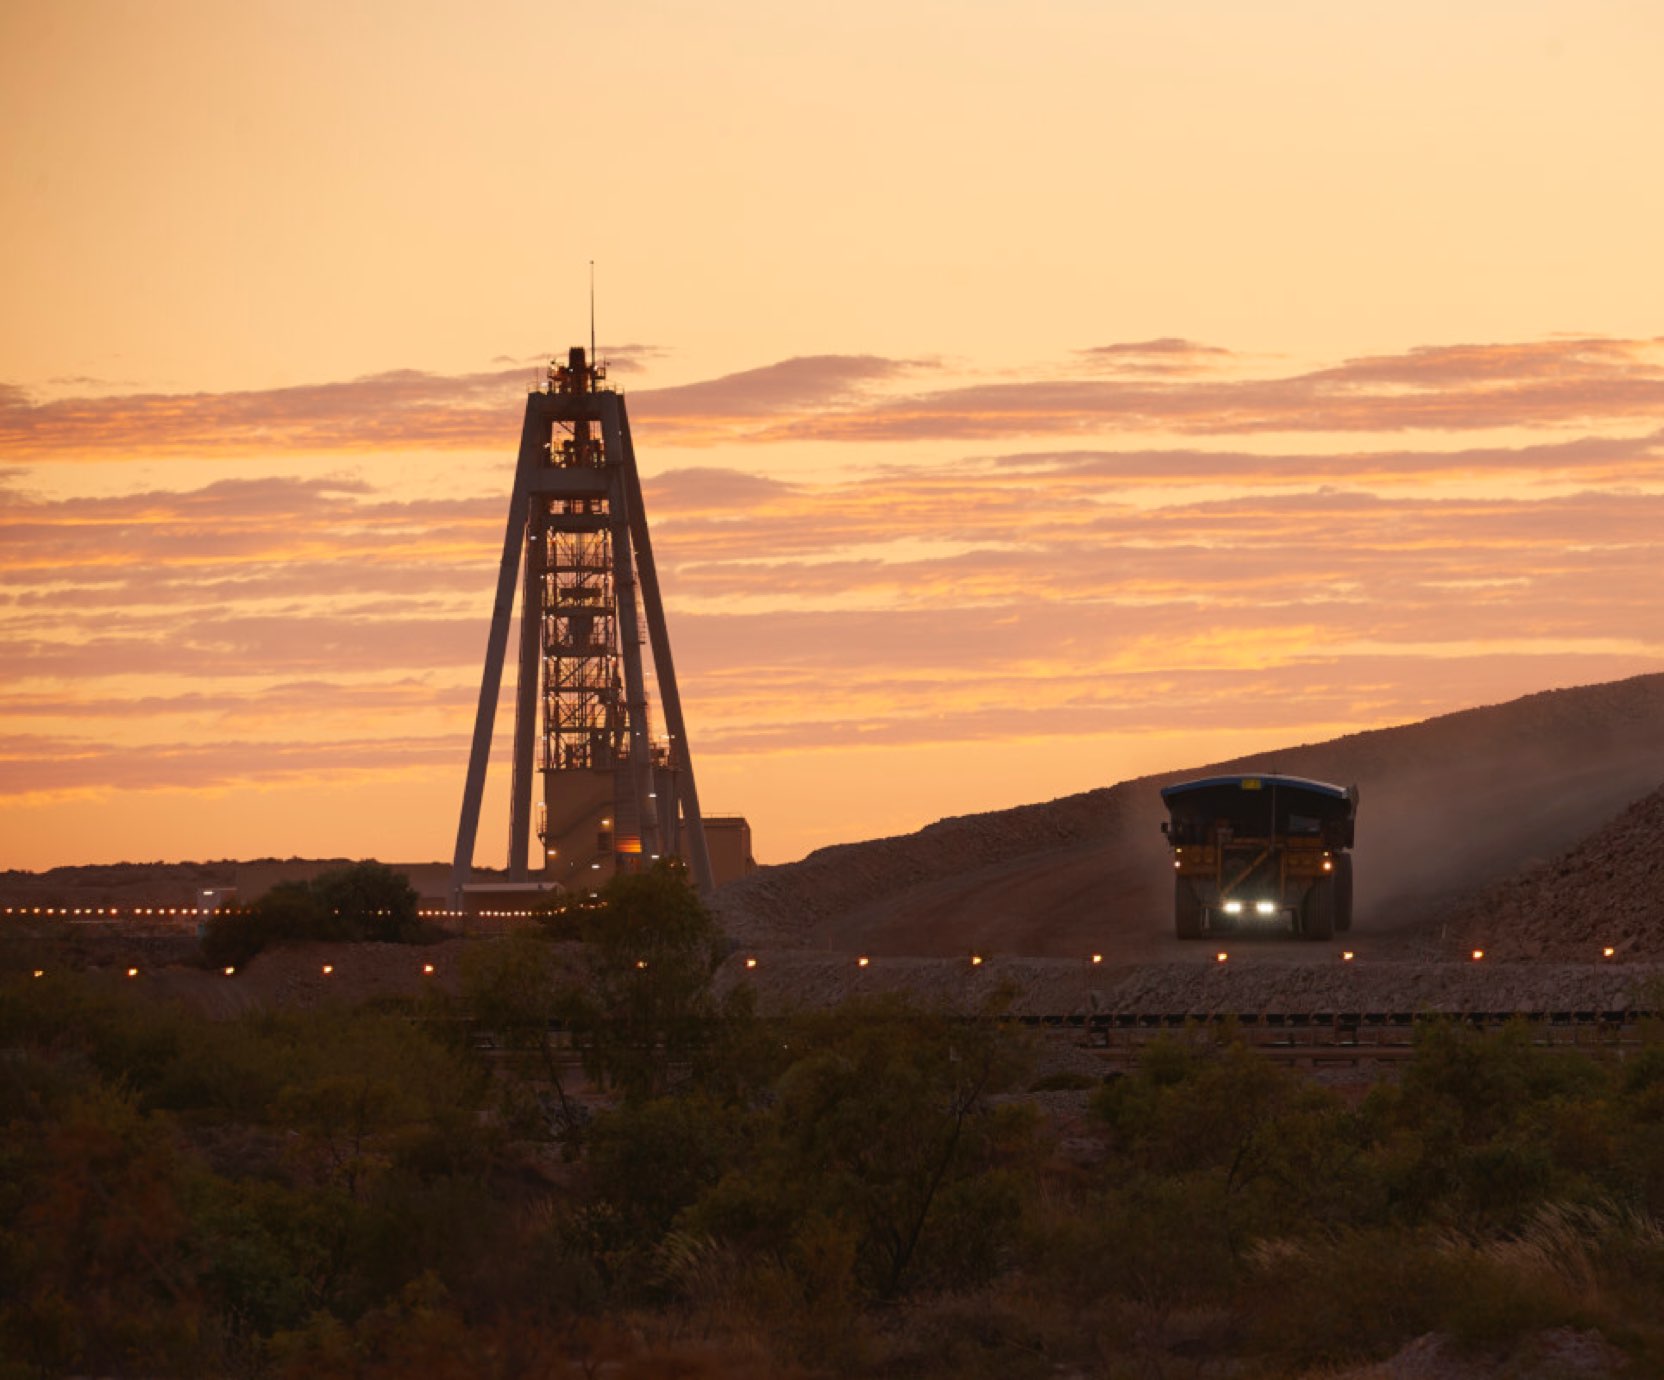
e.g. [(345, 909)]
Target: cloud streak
[(405, 409), (1453, 389), (1160, 385)]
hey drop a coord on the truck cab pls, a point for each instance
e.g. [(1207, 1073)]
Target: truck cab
[(1261, 854)]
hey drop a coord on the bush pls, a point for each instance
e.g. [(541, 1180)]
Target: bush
[(1065, 1081), (1363, 1295)]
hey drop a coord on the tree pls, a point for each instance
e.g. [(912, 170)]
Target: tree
[(372, 901), (883, 1131), (519, 991), (289, 913), (365, 901), (647, 1007)]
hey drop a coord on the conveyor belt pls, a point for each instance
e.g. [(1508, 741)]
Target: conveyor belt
[(1331, 1036)]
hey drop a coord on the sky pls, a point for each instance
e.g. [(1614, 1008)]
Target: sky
[(1029, 395)]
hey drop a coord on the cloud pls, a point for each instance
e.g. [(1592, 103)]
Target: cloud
[(408, 409), (710, 489), (1168, 355), (1606, 458), (50, 767), (300, 641), (137, 538), (1459, 388), (1506, 364), (402, 408), (258, 706), (810, 383), (1558, 383), (631, 359)]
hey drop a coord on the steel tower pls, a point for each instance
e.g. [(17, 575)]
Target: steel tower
[(613, 797)]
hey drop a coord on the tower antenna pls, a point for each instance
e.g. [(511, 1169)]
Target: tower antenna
[(592, 358)]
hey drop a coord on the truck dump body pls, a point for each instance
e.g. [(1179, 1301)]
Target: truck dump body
[(1261, 853)]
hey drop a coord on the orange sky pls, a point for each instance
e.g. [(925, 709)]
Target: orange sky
[(1030, 395)]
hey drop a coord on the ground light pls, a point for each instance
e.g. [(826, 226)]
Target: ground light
[(328, 969), (862, 961), (750, 963), (1346, 955), (132, 972), (1221, 957), (976, 960), (1097, 958), (1608, 951), (230, 972), (427, 970), (1478, 954)]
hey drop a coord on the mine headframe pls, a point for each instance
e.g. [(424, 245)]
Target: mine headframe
[(613, 797)]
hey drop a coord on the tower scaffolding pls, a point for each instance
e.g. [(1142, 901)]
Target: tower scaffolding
[(613, 798)]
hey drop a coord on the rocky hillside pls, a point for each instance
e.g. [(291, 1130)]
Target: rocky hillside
[(1448, 806), (1608, 891), (123, 885), (129, 884)]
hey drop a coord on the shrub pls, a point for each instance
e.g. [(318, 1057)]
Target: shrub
[(1065, 1081)]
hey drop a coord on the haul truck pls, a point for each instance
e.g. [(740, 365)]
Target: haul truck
[(1261, 853)]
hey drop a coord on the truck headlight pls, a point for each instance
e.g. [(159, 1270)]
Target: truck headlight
[(1265, 907), (1233, 908)]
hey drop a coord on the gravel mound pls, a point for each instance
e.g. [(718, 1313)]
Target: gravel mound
[(1608, 891)]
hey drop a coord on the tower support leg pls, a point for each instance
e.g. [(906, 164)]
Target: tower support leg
[(496, 644), (699, 857)]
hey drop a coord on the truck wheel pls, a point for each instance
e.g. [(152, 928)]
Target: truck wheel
[(1317, 912), (1187, 910), (1343, 892)]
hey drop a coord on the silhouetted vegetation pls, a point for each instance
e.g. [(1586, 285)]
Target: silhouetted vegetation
[(367, 901), (659, 1183)]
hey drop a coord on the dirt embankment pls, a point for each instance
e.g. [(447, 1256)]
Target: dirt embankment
[(1448, 806), (308, 976), (792, 980)]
